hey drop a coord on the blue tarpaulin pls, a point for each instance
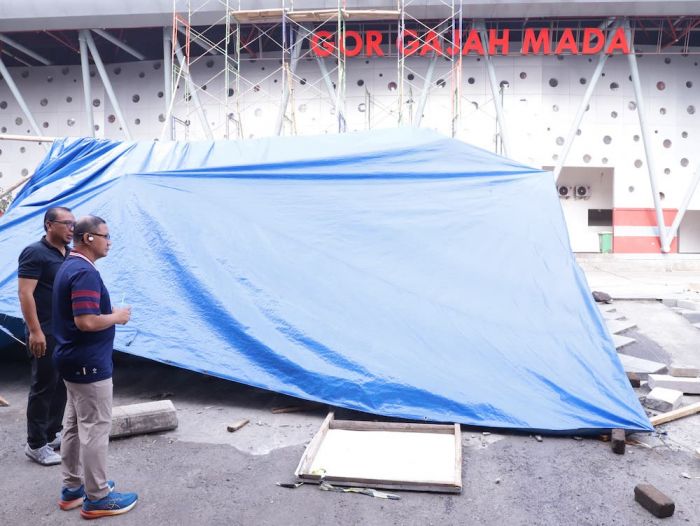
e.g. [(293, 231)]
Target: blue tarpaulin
[(398, 272)]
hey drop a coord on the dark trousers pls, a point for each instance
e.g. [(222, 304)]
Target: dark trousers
[(47, 399)]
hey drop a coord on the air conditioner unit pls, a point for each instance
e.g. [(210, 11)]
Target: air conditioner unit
[(565, 191), (582, 191)]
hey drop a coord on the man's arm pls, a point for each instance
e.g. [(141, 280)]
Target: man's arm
[(37, 339), (100, 322)]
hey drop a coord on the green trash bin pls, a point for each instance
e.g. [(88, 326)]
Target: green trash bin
[(605, 241)]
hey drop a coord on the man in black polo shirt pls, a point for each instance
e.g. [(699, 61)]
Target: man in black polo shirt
[(38, 264)]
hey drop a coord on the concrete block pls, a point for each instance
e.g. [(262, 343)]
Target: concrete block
[(654, 501), (640, 367), (664, 400), (149, 417), (684, 371), (685, 385), (615, 326), (621, 341), (617, 441), (688, 304), (693, 316)]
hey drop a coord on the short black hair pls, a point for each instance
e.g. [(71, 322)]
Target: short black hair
[(86, 225), (52, 213)]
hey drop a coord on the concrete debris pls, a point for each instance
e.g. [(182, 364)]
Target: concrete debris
[(3, 402), (602, 297), (621, 341), (640, 367), (654, 501), (538, 438), (617, 441), (635, 380), (684, 371), (688, 304), (617, 326), (137, 419), (663, 399), (236, 425), (685, 385)]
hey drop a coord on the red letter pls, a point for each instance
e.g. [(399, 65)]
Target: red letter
[(588, 35), (412, 46), (473, 43), (536, 43), (353, 52), (618, 41), (456, 46), (503, 42), (567, 41), (326, 47), (432, 41), (374, 40)]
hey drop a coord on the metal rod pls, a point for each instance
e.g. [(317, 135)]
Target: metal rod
[(648, 151), (105, 80), (15, 186), (296, 49), (168, 77), (193, 92), (114, 40), (18, 97), (426, 90), (10, 42), (84, 67), (673, 229), (494, 88), (26, 138)]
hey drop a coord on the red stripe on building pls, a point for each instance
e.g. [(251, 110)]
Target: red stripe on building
[(82, 293), (641, 216), (640, 245)]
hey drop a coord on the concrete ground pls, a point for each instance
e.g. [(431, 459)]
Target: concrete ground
[(200, 473)]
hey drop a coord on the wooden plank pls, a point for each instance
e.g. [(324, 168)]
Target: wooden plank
[(310, 453), (3, 402), (353, 425), (237, 425), (290, 409), (432, 487), (676, 414)]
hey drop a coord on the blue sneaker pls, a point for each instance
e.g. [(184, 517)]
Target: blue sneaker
[(72, 498), (112, 504)]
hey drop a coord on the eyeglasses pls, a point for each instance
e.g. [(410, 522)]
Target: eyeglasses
[(106, 236), (70, 224)]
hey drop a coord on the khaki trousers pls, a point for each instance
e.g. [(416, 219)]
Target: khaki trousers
[(86, 425)]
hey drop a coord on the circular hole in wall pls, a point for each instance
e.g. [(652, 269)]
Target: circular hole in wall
[(135, 98), (160, 94), (604, 160), (684, 162), (45, 124), (22, 149), (471, 80), (3, 129), (560, 141), (614, 86), (523, 75), (441, 83), (69, 99), (582, 80), (117, 70), (661, 85), (638, 163), (3, 104), (256, 88), (607, 139), (24, 74), (684, 134), (97, 127), (555, 157), (586, 158), (690, 109), (360, 82), (161, 118), (662, 196), (504, 84), (635, 138), (555, 108), (553, 82), (662, 111), (137, 121), (70, 122), (578, 132), (25, 172), (210, 63), (391, 86), (630, 189), (230, 92), (141, 74), (44, 102), (410, 76), (156, 65), (667, 171), (689, 84), (381, 74), (362, 107), (667, 143), (632, 105), (49, 79), (19, 121), (65, 70), (92, 74), (111, 118), (96, 103)]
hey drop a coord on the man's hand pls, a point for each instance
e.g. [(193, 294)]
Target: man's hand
[(37, 344), (122, 314)]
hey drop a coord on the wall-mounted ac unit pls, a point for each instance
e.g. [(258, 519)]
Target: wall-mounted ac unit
[(565, 191), (582, 191)]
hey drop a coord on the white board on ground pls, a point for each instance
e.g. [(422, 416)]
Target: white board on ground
[(387, 455)]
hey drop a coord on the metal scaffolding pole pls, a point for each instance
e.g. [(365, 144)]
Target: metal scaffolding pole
[(10, 42), (168, 78), (87, 88), (18, 97), (602, 59), (427, 82), (193, 92), (634, 70), (105, 81), (505, 138), (673, 229), (119, 44), (294, 59)]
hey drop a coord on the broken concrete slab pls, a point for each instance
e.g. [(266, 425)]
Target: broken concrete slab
[(616, 326), (663, 399), (688, 304), (685, 385), (640, 367), (684, 371), (693, 316), (137, 419), (621, 341)]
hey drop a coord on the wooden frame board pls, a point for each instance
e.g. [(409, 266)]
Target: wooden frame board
[(390, 455)]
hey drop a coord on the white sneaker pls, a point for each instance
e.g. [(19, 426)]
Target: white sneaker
[(44, 455), (56, 442)]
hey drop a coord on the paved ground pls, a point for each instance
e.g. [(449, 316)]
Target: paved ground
[(200, 473)]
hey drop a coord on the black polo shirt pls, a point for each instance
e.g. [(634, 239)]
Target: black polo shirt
[(40, 261)]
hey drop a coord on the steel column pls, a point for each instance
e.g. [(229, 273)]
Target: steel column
[(105, 81), (167, 78), (114, 40), (193, 92), (426, 90), (18, 97), (296, 49), (10, 42), (673, 229), (87, 88)]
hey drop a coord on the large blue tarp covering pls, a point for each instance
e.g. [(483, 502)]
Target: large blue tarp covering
[(399, 273)]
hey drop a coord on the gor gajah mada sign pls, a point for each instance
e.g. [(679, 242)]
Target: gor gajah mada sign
[(589, 41)]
